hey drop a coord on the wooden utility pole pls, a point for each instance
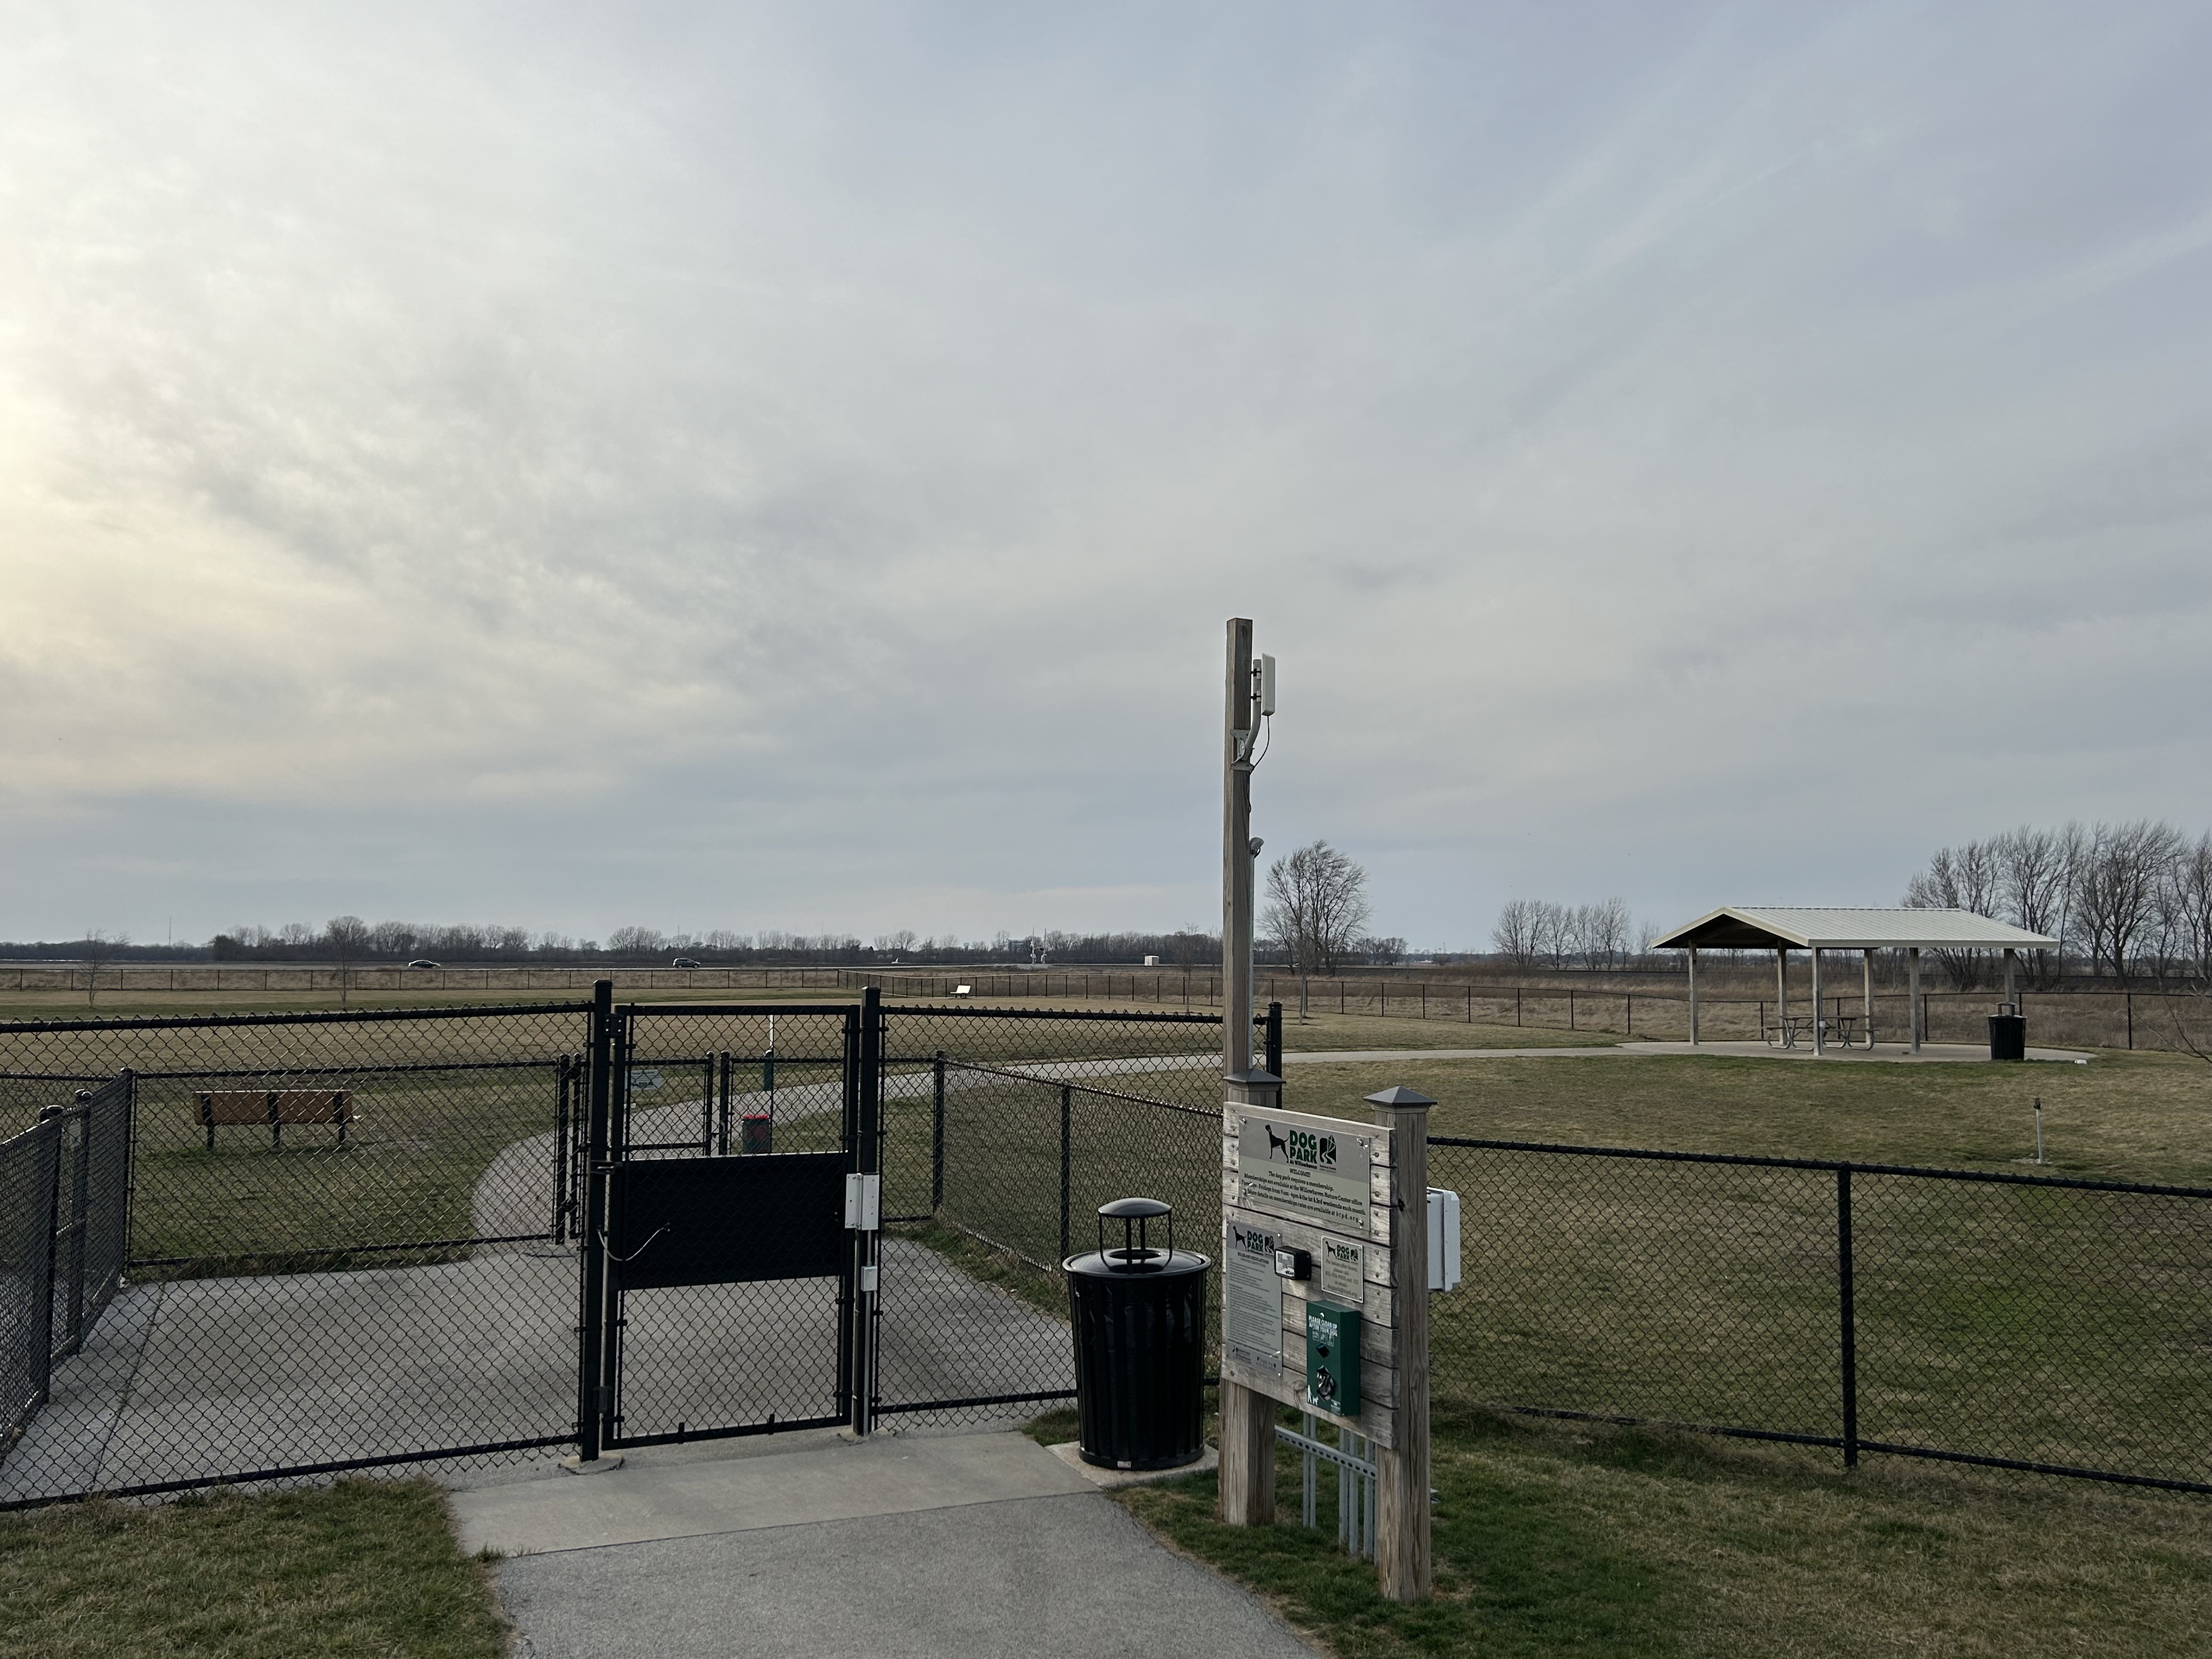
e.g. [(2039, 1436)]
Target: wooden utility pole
[(1240, 727), (1247, 1419)]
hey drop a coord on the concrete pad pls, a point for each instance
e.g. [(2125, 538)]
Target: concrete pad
[(842, 1482), (1018, 1579), (191, 1379), (1070, 1452), (65, 1445), (1931, 1053)]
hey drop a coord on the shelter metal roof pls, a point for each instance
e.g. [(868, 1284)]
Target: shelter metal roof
[(1753, 926)]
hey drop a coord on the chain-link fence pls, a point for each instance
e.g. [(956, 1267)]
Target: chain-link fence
[(2026, 1322), (1004, 1131), (29, 1161), (64, 1201), (302, 1243), (264, 1246)]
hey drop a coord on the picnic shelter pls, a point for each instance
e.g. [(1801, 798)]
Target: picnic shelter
[(1814, 929)]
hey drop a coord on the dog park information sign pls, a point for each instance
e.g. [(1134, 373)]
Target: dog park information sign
[(1307, 1216), (1316, 1170)]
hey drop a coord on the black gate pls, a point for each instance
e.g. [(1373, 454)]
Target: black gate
[(799, 1215), (729, 1258)]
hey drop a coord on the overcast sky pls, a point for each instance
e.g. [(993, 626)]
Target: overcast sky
[(789, 467)]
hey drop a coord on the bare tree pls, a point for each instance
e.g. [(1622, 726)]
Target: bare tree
[(99, 946), (2187, 903), (1554, 932), (1605, 931), (1514, 935), (2123, 871), (2035, 876), (1966, 878), (1317, 905), (347, 937)]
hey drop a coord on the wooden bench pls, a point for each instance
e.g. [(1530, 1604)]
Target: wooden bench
[(275, 1108)]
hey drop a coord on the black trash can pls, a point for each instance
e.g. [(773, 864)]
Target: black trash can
[(1140, 1318), (2007, 1033)]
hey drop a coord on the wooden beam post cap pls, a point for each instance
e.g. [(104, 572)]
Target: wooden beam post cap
[(1398, 1094)]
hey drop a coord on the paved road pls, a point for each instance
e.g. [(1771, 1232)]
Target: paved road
[(981, 1545)]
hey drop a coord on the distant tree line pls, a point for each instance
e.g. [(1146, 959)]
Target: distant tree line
[(1534, 932), (350, 939), (2122, 899)]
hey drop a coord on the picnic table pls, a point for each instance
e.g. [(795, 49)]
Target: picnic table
[(1845, 1030)]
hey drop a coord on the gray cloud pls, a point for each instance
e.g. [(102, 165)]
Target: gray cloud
[(789, 466)]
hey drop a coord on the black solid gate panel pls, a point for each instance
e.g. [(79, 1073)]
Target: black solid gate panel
[(715, 1220)]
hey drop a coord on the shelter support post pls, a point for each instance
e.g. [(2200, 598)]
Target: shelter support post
[(1782, 990), (1912, 994), (2011, 966), (1819, 1048), (1869, 998), (1694, 996)]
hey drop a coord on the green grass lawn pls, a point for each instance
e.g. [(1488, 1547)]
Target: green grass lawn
[(1552, 1541), (2047, 1326), (2125, 1116), (405, 1175), (363, 1570)]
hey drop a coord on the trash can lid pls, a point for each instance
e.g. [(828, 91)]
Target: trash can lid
[(1134, 1209)]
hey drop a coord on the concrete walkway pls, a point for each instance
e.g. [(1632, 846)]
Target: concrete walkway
[(1931, 1053), (981, 1545)]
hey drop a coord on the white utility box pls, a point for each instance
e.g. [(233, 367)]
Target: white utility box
[(1444, 1239)]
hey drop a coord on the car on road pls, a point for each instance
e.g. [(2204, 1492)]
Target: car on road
[(685, 962), (424, 962)]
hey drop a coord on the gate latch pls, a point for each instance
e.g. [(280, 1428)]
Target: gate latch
[(864, 1203)]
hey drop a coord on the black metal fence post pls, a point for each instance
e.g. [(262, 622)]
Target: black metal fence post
[(130, 1077), (1066, 1152), (565, 1076), (43, 1375), (1848, 1314), (722, 1106), (937, 1134), (1275, 1038), (847, 1280), (80, 1231), (593, 1401), (867, 1098)]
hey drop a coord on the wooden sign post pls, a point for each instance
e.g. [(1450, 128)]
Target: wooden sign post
[(1325, 1229)]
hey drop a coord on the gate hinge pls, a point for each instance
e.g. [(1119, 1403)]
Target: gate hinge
[(864, 1203)]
